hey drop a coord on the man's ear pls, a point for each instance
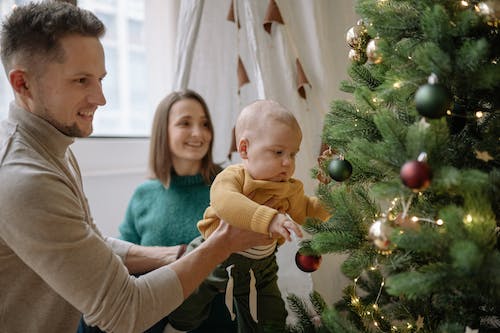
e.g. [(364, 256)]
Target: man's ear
[(243, 148), (18, 81)]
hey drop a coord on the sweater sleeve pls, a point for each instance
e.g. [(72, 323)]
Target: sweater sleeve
[(231, 205), (302, 206), (127, 228), (44, 224)]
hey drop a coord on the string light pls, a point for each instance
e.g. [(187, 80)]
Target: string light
[(464, 3), (416, 219), (478, 115)]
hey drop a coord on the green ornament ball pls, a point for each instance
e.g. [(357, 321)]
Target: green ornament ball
[(432, 100), (340, 170)]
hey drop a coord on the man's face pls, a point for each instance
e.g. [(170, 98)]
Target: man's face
[(67, 94)]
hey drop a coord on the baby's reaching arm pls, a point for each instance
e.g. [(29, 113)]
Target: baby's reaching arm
[(283, 225)]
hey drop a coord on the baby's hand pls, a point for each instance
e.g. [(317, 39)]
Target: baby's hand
[(283, 225)]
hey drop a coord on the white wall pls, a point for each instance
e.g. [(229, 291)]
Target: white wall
[(111, 169)]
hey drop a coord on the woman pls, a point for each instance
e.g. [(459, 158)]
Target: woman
[(164, 210)]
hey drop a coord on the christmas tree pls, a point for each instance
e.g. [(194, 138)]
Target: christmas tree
[(410, 171)]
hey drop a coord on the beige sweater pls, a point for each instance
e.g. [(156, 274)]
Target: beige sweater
[(54, 263)]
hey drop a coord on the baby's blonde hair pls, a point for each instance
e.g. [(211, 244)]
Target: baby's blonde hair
[(262, 112)]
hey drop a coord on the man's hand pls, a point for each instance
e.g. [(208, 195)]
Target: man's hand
[(192, 268), (237, 239)]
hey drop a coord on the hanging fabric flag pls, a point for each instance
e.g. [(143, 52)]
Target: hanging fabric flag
[(242, 75), (230, 15), (301, 80), (272, 15)]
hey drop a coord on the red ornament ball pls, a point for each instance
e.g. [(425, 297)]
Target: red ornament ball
[(307, 263), (416, 175)]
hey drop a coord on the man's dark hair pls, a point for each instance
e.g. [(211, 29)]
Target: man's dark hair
[(32, 32)]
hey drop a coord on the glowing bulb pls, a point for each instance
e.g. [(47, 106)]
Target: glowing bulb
[(397, 85), (439, 222), (414, 219), (448, 112), (464, 3), (479, 114), (468, 218)]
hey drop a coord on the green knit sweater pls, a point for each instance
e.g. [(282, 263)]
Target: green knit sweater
[(166, 216)]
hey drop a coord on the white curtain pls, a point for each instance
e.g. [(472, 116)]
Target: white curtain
[(208, 47)]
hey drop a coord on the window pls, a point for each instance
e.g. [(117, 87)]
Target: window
[(139, 46)]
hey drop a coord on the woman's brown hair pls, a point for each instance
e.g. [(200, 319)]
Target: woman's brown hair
[(160, 156)]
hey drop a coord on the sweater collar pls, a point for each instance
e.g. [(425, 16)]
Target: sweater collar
[(177, 180), (40, 129)]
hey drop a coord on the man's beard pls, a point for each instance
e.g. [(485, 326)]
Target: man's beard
[(71, 130)]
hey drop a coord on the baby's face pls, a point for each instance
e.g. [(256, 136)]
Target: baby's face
[(271, 152)]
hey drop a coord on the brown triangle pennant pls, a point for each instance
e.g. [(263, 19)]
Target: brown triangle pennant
[(242, 75), (301, 80), (273, 14), (230, 14)]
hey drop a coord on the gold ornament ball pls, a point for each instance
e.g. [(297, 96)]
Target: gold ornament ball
[(354, 56), (379, 233), (373, 51), (490, 11), (355, 35)]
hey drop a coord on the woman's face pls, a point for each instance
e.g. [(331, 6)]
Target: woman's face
[(189, 134)]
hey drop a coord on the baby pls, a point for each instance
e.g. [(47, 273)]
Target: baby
[(260, 195)]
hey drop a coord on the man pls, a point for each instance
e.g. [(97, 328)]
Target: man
[(54, 263)]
